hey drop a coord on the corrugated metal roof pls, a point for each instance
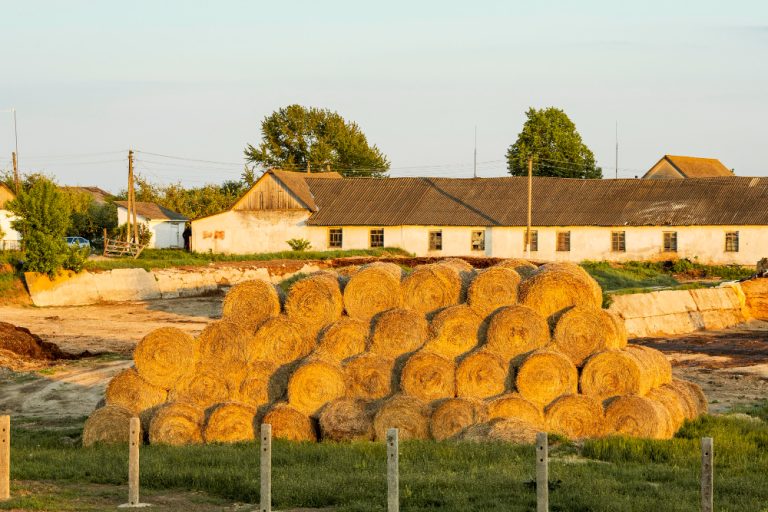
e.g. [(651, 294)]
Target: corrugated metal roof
[(153, 211), (556, 202)]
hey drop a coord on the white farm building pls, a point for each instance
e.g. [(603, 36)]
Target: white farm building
[(167, 226), (10, 239), (719, 220)]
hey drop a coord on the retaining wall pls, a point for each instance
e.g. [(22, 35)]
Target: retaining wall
[(681, 311)]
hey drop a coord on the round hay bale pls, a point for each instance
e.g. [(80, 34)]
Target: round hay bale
[(108, 424), (635, 416), (224, 344), (203, 388), (314, 384), (654, 363), (127, 389), (230, 423), (621, 327), (459, 264), (280, 340), (482, 374), (409, 414), (397, 332), (288, 423), (368, 376), (583, 331), (454, 331), (675, 405), (177, 424), (555, 288), (576, 269), (612, 373), (371, 291), (432, 287), (524, 268), (505, 430), (513, 405), (257, 388), (516, 330), (428, 376), (545, 375), (576, 417), (314, 302), (454, 415), (688, 401), (699, 398), (390, 268), (164, 355), (346, 419), (342, 339), (493, 288), (251, 303)]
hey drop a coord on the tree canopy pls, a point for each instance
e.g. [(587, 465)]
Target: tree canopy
[(296, 136), (551, 139)]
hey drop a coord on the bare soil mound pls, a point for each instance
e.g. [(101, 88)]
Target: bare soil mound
[(23, 343)]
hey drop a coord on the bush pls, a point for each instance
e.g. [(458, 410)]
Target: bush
[(43, 219), (145, 234), (299, 244), (76, 258)]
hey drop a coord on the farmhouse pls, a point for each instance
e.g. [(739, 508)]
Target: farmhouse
[(677, 167), (718, 220), (167, 226), (9, 237)]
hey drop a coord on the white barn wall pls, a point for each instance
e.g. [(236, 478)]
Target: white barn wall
[(166, 234)]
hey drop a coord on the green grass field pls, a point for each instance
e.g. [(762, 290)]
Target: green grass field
[(613, 474)]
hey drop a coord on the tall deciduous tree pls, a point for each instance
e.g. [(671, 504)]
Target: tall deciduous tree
[(295, 136), (551, 139)]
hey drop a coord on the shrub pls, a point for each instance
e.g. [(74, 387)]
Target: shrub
[(299, 244), (76, 258), (145, 234), (43, 219)]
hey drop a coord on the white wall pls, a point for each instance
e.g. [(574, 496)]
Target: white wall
[(166, 234), (11, 238)]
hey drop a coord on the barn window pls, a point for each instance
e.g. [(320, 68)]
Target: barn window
[(670, 241), (436, 240), (534, 241), (732, 241), (618, 241), (563, 241), (377, 237), (335, 238), (478, 240)]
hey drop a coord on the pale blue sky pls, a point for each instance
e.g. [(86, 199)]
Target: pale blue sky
[(194, 79)]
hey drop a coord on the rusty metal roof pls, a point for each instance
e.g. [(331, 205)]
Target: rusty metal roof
[(556, 202), (694, 167)]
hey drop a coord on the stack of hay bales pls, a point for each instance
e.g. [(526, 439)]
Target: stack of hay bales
[(442, 352)]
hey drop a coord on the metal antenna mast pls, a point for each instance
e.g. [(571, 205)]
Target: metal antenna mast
[(475, 165), (617, 149)]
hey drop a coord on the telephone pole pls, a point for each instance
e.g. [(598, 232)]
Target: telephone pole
[(530, 190), (132, 201), (16, 173), (16, 153)]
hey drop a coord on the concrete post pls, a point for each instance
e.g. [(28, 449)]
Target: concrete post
[(134, 441), (265, 494), (707, 475), (393, 475), (5, 457), (542, 472)]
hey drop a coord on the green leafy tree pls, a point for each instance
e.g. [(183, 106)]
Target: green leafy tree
[(551, 139), (145, 234), (89, 218), (43, 219), (296, 136)]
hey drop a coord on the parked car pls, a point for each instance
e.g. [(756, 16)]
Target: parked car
[(79, 242)]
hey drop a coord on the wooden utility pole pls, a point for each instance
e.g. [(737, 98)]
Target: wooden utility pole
[(130, 196), (530, 190), (16, 173), (308, 169)]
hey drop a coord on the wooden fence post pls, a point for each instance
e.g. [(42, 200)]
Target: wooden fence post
[(134, 441), (707, 475), (542, 472), (393, 475), (265, 493), (5, 457)]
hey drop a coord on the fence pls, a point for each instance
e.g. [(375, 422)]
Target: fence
[(393, 468), (10, 245)]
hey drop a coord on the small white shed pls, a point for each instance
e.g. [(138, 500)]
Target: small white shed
[(167, 226), (9, 238)]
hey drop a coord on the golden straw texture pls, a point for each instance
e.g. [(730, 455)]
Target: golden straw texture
[(507, 430), (635, 416), (288, 423), (251, 303), (524, 268), (493, 288), (314, 384), (314, 302), (583, 331), (513, 405), (230, 423), (432, 287), (368, 376), (397, 332), (516, 330), (576, 416), (127, 389), (257, 388), (545, 375), (455, 330), (342, 339), (555, 288), (371, 291), (108, 424), (428, 376), (164, 355), (281, 340), (177, 424), (612, 373), (347, 419), (452, 416), (409, 414), (482, 374)]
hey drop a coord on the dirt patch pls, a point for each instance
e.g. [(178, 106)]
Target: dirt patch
[(21, 341)]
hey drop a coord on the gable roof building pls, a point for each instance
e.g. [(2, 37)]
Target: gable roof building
[(671, 166), (599, 219), (167, 226)]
